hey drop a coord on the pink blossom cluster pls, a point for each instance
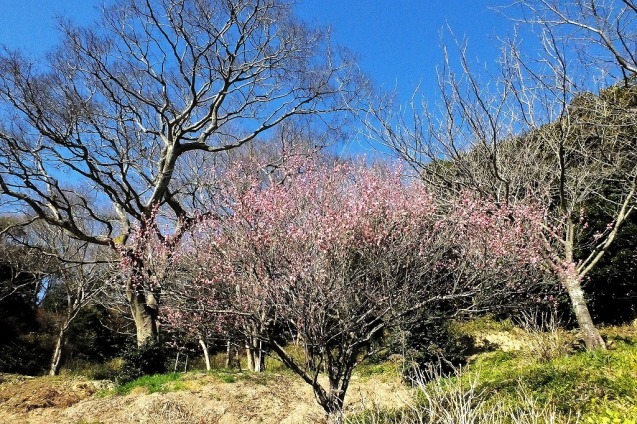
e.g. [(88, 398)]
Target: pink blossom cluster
[(316, 239), (500, 237)]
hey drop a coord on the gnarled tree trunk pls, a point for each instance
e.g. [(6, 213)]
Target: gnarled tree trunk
[(232, 355), (145, 309)]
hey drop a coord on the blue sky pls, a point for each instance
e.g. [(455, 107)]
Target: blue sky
[(397, 42)]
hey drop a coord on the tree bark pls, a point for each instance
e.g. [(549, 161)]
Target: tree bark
[(335, 416), (255, 354), (259, 358), (56, 359), (592, 338), (145, 309), (250, 356), (332, 403), (231, 355), (333, 406)]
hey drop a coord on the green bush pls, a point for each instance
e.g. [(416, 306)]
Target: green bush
[(140, 361), (25, 355), (432, 343)]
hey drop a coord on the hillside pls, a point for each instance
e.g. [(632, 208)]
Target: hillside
[(518, 376), (220, 397)]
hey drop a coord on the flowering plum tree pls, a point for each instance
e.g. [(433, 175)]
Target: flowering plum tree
[(335, 255)]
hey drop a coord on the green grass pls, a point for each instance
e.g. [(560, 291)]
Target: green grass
[(575, 387), (233, 376), (228, 378), (584, 383), (384, 369), (158, 383)]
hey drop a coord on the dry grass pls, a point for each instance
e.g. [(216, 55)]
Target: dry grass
[(533, 385), (461, 400), (24, 394), (203, 398), (546, 338)]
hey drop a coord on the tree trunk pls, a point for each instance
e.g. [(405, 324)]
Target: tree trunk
[(333, 406), (331, 401), (591, 335), (250, 356), (206, 355), (56, 359), (335, 417), (232, 356), (145, 308), (259, 358), (255, 355)]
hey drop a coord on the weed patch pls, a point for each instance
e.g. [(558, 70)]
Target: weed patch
[(157, 383)]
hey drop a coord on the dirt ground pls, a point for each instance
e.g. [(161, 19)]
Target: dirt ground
[(206, 399)]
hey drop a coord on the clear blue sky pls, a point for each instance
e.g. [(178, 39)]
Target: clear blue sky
[(397, 41)]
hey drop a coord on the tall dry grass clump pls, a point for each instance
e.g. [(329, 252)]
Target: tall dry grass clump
[(546, 338), (459, 399)]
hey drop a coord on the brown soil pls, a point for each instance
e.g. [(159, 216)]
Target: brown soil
[(207, 399)]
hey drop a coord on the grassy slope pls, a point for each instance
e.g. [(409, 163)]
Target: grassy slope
[(597, 386), (549, 380)]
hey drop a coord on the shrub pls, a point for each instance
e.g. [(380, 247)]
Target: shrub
[(433, 344), (144, 360), (24, 356)]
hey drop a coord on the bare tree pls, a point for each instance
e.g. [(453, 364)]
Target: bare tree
[(104, 127), (46, 259), (81, 270), (601, 30), (536, 132)]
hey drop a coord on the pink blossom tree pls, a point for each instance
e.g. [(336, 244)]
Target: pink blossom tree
[(335, 255), (552, 123)]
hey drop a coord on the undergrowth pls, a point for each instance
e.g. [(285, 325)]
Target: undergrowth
[(587, 384), (523, 387), (550, 380)]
